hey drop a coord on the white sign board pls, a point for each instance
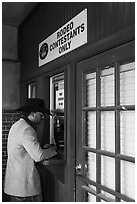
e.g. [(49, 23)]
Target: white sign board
[(60, 99), (69, 37)]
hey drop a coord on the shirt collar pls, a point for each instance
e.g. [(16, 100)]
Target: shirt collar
[(29, 122)]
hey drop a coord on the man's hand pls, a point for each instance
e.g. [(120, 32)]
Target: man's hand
[(46, 146), (52, 146)]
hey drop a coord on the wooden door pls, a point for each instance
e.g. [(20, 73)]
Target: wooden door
[(105, 115)]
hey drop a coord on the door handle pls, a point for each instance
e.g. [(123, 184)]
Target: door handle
[(78, 167)]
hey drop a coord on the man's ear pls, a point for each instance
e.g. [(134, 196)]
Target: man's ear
[(32, 114)]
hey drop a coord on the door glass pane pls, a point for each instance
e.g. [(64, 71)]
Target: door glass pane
[(127, 84), (107, 87), (91, 129), (127, 132), (91, 89), (90, 166), (107, 173), (128, 179), (108, 131)]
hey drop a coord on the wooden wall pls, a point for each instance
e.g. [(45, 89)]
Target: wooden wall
[(109, 25), (104, 19)]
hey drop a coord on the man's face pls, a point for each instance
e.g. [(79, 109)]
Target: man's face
[(37, 117)]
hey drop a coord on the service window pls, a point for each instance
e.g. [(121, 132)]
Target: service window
[(32, 90), (110, 133), (57, 109)]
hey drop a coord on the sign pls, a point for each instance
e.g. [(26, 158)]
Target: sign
[(69, 37), (60, 99)]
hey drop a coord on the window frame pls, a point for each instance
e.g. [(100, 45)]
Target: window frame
[(29, 86), (59, 76)]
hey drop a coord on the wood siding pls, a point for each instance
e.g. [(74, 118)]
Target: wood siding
[(104, 20), (109, 25)]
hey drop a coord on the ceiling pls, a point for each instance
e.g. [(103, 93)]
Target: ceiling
[(14, 13)]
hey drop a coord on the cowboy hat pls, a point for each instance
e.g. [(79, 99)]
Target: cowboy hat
[(34, 105)]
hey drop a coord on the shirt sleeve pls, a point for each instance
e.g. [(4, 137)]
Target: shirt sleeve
[(32, 146)]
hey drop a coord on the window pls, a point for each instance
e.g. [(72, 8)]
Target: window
[(32, 90), (109, 133), (57, 109)]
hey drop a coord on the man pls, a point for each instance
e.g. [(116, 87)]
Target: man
[(22, 180)]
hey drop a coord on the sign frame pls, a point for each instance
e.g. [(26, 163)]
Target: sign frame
[(70, 36)]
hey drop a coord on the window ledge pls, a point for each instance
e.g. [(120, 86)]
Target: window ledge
[(53, 161)]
